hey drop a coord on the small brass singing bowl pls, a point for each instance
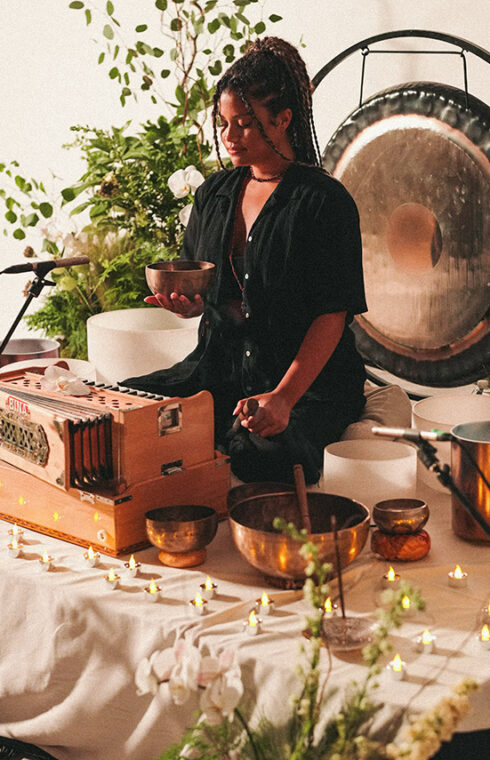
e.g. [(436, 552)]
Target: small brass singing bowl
[(276, 555), (181, 533), (188, 278), (400, 515)]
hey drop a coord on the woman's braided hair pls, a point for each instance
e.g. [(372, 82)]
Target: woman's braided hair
[(273, 72)]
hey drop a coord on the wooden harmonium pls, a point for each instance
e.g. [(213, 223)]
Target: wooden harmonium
[(87, 468), (110, 439)]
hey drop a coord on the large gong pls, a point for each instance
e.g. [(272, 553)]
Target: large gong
[(415, 158)]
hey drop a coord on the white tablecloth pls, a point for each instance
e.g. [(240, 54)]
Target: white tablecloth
[(70, 646)]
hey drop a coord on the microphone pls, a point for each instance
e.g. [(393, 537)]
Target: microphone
[(42, 267), (412, 434)]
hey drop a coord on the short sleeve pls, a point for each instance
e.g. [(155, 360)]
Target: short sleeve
[(333, 253)]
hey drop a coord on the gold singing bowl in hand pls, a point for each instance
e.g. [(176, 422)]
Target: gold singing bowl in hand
[(277, 555), (188, 278)]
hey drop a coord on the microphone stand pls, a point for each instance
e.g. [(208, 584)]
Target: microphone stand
[(427, 454), (34, 290)]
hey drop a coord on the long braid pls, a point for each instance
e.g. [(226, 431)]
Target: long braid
[(273, 72)]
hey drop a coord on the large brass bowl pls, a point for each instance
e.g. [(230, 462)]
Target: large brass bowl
[(247, 490), (181, 532), (276, 555), (187, 278)]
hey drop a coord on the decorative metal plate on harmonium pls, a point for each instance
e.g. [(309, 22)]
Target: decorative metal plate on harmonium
[(87, 468)]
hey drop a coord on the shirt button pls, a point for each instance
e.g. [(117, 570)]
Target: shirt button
[(250, 238), (247, 353), (247, 275), (248, 388), (247, 315)]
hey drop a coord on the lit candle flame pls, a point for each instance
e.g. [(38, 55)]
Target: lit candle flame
[(390, 575), (209, 585), (406, 603), (485, 633), (21, 501), (45, 557), (56, 516), (15, 530), (96, 516), (328, 607), (90, 553), (458, 573), (426, 637), (252, 619), (132, 562), (111, 575), (198, 601), (153, 588), (396, 663), (264, 600)]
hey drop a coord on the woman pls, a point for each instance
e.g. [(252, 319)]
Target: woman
[(284, 237)]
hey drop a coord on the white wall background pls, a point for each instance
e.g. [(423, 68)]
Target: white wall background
[(50, 80)]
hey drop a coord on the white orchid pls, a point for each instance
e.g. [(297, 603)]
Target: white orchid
[(63, 381), (184, 214), (145, 678), (223, 686), (185, 181)]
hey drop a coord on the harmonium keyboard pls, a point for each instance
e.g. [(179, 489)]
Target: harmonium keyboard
[(87, 468)]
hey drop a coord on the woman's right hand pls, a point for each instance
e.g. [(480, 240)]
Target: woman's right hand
[(179, 305)]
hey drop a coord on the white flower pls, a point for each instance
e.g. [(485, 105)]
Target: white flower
[(63, 381), (145, 679), (184, 214), (185, 181), (222, 679), (184, 675)]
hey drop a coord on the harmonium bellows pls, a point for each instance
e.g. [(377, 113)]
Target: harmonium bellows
[(113, 446)]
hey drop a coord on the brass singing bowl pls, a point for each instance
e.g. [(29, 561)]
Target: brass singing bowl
[(247, 490), (277, 555), (400, 515), (188, 278), (181, 529)]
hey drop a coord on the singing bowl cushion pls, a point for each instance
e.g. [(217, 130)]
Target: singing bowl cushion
[(416, 160)]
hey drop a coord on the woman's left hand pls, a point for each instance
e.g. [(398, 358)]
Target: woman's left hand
[(271, 418)]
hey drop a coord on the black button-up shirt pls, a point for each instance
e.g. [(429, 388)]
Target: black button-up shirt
[(302, 259)]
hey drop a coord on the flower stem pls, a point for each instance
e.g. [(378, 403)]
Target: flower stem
[(248, 732)]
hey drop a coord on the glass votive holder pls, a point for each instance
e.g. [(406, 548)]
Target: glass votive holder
[(112, 579), (91, 558), (209, 589), (152, 592), (264, 605), (426, 642)]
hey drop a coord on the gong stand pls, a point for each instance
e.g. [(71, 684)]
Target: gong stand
[(415, 159), (34, 290)]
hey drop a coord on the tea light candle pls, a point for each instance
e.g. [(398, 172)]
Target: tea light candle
[(391, 579), (253, 625), (132, 567), (426, 642), (152, 592), (45, 562), (198, 605), (329, 608), (396, 669), (14, 548), (208, 589), (457, 578), (16, 532), (91, 558), (407, 606), (484, 637), (112, 579), (264, 605)]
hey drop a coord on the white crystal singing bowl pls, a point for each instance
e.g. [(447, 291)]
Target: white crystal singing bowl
[(369, 470), (443, 413), (130, 342)]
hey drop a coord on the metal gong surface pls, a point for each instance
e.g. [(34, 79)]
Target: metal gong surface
[(415, 159)]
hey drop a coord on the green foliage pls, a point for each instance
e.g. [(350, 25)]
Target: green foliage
[(124, 186)]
